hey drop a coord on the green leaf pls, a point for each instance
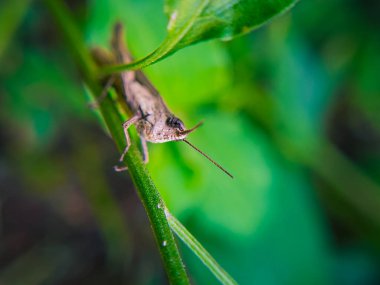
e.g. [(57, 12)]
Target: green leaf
[(192, 21), (199, 250)]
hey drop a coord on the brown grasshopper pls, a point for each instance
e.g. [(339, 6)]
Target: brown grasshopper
[(152, 118)]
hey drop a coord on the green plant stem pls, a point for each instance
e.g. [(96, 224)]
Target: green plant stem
[(146, 189), (199, 250)]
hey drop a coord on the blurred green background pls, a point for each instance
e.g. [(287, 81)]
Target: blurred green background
[(292, 110)]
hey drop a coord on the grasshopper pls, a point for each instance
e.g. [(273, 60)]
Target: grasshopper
[(154, 121)]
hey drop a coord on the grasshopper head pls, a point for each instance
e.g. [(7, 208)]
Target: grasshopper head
[(175, 129), (171, 129)]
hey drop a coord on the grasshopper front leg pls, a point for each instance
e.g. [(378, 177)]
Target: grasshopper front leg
[(126, 126)]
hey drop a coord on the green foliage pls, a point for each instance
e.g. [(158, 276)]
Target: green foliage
[(291, 110)]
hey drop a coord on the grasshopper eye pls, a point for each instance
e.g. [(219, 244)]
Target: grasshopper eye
[(174, 122)]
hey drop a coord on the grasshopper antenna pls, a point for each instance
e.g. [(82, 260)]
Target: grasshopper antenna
[(209, 158)]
